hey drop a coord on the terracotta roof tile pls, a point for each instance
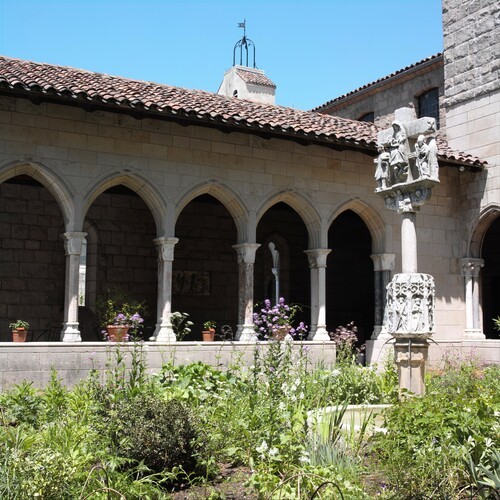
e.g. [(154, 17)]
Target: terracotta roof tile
[(76, 85), (255, 78)]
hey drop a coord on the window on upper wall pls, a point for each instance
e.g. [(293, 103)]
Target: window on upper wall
[(367, 117), (428, 104)]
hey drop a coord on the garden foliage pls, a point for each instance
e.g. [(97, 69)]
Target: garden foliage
[(126, 434)]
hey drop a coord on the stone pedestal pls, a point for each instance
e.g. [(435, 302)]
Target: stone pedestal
[(410, 356)]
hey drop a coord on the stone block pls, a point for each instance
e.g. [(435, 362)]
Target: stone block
[(32, 270)]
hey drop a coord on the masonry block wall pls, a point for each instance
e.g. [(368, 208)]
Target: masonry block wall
[(31, 257), (206, 233), (396, 92), (83, 154)]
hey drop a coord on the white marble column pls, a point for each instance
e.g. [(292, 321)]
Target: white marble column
[(73, 248), (408, 242), (317, 264), (245, 331), (383, 265), (470, 271), (163, 331)]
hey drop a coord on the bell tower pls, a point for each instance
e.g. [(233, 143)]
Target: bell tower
[(243, 81)]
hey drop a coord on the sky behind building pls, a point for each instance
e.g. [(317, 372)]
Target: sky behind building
[(313, 50)]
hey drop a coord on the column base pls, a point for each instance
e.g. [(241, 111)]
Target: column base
[(164, 333), (246, 333), (474, 334), (411, 355), (380, 333), (70, 333), (319, 334)]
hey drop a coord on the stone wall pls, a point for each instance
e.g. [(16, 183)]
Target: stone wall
[(206, 233), (31, 257), (472, 44), (396, 92)]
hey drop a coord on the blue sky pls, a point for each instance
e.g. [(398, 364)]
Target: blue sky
[(313, 50)]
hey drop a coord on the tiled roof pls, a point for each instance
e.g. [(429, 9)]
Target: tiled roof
[(87, 88), (414, 66), (255, 78)]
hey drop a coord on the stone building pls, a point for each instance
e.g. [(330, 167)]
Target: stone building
[(461, 89), (174, 195)]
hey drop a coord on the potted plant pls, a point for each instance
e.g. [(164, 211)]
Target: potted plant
[(124, 327), (120, 316), (19, 330), (208, 332)]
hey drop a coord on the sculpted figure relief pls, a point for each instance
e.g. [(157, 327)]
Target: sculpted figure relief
[(406, 154)]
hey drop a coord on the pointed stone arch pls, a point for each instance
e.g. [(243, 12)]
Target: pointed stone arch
[(369, 216), (143, 188), (49, 179), (304, 209), (486, 218), (225, 195)]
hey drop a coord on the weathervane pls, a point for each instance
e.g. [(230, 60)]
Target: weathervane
[(244, 43)]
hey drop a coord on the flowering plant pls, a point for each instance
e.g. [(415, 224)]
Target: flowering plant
[(133, 322), (270, 320), (345, 338)]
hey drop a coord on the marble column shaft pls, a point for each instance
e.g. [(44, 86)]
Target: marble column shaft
[(471, 268), (317, 264), (246, 259), (73, 249), (163, 331)]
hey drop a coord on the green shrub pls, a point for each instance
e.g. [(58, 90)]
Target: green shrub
[(423, 451), (156, 432)]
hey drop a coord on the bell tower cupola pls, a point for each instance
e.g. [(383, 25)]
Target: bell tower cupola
[(243, 81)]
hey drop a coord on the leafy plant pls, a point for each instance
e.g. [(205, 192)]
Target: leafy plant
[(156, 432), (209, 325), (19, 324), (180, 324)]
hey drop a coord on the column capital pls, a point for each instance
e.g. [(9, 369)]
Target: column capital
[(383, 261), (471, 266), (73, 242), (317, 257), (165, 248), (246, 252)]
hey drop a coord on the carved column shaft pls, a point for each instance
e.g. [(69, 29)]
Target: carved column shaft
[(163, 331), (246, 261), (73, 249)]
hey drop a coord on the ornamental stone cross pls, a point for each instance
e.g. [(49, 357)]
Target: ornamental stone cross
[(407, 170), (407, 166)]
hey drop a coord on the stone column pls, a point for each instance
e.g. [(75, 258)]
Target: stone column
[(245, 331), (73, 248), (470, 271), (383, 265), (163, 331), (317, 264), (408, 241)]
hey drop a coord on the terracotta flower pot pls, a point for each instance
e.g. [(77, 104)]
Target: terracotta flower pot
[(281, 333), (19, 335), (117, 333), (208, 335)]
